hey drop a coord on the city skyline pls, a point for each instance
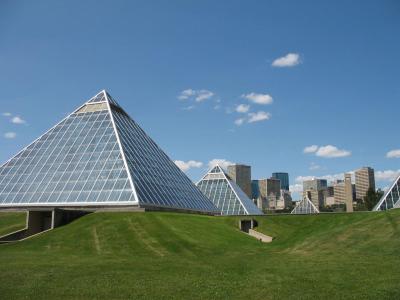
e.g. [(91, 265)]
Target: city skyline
[(280, 93)]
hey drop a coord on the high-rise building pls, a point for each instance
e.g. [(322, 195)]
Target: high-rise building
[(284, 201), (284, 178), (226, 194), (241, 175), (343, 192), (97, 157), (267, 190), (348, 191), (316, 191), (365, 179)]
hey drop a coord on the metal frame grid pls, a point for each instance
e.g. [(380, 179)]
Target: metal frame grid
[(225, 194), (97, 156), (157, 180), (391, 198), (305, 207), (77, 162)]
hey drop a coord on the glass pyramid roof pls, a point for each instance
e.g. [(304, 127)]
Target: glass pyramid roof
[(304, 207), (391, 198), (97, 156), (226, 194)]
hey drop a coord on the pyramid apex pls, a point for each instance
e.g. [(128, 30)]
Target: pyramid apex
[(102, 96)]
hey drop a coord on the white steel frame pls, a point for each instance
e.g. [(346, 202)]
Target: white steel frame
[(229, 183), (383, 199)]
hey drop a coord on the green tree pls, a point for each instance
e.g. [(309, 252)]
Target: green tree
[(372, 197)]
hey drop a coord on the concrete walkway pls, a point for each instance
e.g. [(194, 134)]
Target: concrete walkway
[(259, 236)]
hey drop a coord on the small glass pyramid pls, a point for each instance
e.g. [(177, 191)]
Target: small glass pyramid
[(304, 207), (226, 194)]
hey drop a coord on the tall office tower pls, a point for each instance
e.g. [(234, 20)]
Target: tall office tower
[(365, 179), (339, 192), (330, 198), (343, 192), (348, 191), (284, 201), (316, 191), (266, 192), (284, 178), (241, 175)]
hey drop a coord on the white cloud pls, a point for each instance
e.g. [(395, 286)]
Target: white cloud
[(258, 116), (304, 178), (393, 154), (387, 175), (186, 94), (296, 188), (190, 107), (258, 98), (10, 135), (185, 166), (331, 151), (18, 120), (242, 108), (310, 149), (219, 161), (7, 114), (289, 60), (314, 167), (197, 95), (328, 151), (203, 95), (239, 121)]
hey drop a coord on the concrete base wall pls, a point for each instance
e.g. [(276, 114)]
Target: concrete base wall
[(38, 221)]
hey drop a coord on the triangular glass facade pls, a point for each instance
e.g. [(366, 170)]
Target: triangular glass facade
[(304, 207), (97, 156), (391, 198), (226, 194)]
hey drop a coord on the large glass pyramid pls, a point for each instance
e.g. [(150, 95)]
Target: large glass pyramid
[(391, 198), (304, 207), (97, 156), (225, 194)]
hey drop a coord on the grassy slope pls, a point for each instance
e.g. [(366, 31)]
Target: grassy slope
[(10, 222), (166, 255)]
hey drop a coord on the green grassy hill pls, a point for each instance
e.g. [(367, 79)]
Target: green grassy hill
[(170, 255)]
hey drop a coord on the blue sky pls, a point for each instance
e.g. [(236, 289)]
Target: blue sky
[(253, 82)]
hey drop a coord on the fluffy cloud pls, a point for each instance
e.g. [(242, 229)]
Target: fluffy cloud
[(310, 149), (328, 151), (331, 151), (203, 95), (221, 162), (296, 188), (17, 120), (387, 175), (393, 154), (242, 108), (185, 166), (10, 135), (239, 121), (289, 60), (7, 114), (197, 95), (186, 94), (258, 116), (253, 117), (258, 98)]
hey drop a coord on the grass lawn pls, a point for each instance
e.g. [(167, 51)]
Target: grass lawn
[(169, 255)]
